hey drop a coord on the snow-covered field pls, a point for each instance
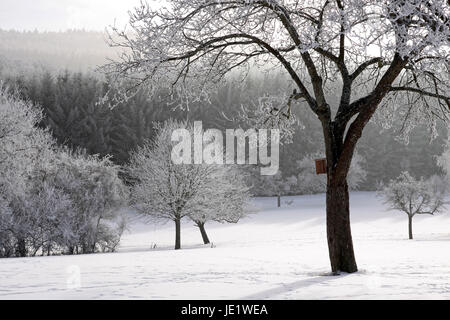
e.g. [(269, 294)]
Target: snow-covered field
[(278, 253)]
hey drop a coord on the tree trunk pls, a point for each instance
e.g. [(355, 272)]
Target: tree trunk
[(177, 233), (339, 234), (279, 201), (410, 226), (21, 248), (201, 226), (340, 143)]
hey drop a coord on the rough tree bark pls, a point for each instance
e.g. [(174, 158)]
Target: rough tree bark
[(339, 233)]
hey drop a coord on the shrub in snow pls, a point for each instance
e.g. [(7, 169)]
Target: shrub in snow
[(93, 186), (413, 196), (22, 146), (167, 191), (52, 200)]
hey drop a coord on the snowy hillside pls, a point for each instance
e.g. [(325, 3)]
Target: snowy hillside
[(278, 253)]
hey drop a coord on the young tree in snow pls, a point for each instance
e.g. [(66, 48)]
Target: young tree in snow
[(413, 196), (164, 190), (168, 191), (387, 53), (223, 197), (272, 186)]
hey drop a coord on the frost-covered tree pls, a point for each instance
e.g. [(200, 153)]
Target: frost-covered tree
[(390, 54), (162, 189), (413, 196), (52, 200), (48, 211), (223, 197), (93, 186), (165, 191), (22, 146)]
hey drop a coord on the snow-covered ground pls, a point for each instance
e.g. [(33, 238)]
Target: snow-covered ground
[(278, 253)]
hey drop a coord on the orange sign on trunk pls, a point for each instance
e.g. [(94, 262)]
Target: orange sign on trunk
[(321, 166)]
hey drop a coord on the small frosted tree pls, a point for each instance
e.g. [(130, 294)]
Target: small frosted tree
[(162, 189), (270, 186), (223, 198), (413, 196), (165, 191)]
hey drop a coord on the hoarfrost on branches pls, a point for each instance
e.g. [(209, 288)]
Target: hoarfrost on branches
[(52, 200), (166, 191), (190, 45), (390, 55)]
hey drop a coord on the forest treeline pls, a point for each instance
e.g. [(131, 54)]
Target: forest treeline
[(34, 62), (77, 114)]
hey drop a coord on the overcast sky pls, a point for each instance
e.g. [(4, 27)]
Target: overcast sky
[(56, 15)]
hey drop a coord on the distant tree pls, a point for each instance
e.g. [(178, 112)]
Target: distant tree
[(413, 196), (164, 190), (308, 182), (272, 186)]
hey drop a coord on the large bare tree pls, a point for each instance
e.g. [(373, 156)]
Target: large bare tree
[(391, 53)]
